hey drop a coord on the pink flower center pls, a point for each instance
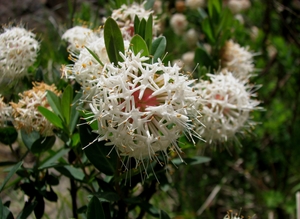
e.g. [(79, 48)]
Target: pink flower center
[(146, 100)]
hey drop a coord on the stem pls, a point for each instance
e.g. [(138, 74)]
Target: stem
[(13, 152), (73, 189)]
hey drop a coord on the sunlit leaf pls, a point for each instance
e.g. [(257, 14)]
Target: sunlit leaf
[(139, 45), (158, 48), (66, 101), (51, 117)]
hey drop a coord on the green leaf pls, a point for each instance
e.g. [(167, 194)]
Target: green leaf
[(8, 135), (113, 40), (95, 56), (163, 215), (202, 58), (149, 4), (139, 45), (43, 144), (191, 160), (158, 48), (107, 196), (54, 102), (136, 24), (4, 212), (149, 31), (10, 174), (214, 10), (97, 152), (51, 117), (95, 209), (142, 28), (51, 160), (29, 138), (71, 172), (208, 30), (75, 112), (27, 210), (66, 101)]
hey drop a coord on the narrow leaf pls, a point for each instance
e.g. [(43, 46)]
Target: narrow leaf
[(149, 31), (139, 45), (66, 101), (95, 209), (113, 40), (95, 56), (191, 160), (4, 212), (51, 117), (75, 112), (158, 48), (54, 103), (51, 160), (71, 172), (202, 58), (10, 174), (164, 215), (136, 24)]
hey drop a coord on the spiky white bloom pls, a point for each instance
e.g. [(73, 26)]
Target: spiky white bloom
[(125, 15), (18, 51), (178, 23), (143, 108), (78, 37), (26, 114), (237, 60), (226, 105), (236, 6), (195, 4), (5, 112), (231, 215), (86, 68)]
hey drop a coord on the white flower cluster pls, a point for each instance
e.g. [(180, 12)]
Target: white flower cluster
[(26, 114), (237, 60), (227, 102), (125, 18), (78, 37), (179, 23), (18, 51), (195, 4), (5, 112), (237, 6), (142, 108)]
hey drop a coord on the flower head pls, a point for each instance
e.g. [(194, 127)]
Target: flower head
[(143, 108), (18, 51), (195, 4), (5, 112), (26, 114), (125, 18), (226, 105), (237, 60), (178, 23), (236, 6), (78, 37)]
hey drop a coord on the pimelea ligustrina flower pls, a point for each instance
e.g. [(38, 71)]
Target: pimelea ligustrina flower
[(178, 23), (78, 37), (125, 18), (18, 51), (237, 60), (26, 114), (227, 103), (5, 112), (143, 108)]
